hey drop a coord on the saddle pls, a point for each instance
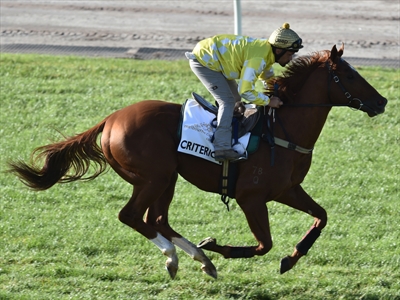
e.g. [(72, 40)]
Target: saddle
[(246, 116)]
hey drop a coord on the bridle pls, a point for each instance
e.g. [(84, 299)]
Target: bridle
[(269, 136), (332, 77), (336, 79), (272, 140)]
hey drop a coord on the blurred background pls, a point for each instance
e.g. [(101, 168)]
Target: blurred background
[(165, 29)]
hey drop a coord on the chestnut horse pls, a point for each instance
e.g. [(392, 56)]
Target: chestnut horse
[(130, 144)]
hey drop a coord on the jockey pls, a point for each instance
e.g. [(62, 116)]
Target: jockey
[(221, 60)]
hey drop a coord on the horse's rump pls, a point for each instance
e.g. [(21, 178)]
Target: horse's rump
[(141, 139)]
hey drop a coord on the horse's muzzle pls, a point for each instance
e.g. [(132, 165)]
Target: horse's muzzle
[(374, 109)]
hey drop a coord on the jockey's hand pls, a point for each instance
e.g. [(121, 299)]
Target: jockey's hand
[(275, 102)]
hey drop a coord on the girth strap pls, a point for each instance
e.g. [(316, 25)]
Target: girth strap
[(227, 186), (224, 184)]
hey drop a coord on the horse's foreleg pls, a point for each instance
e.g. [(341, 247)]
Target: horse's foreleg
[(297, 198), (257, 217)]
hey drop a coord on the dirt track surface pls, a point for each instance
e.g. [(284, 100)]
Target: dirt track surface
[(369, 29)]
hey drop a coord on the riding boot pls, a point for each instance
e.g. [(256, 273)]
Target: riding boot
[(223, 144), (229, 154)]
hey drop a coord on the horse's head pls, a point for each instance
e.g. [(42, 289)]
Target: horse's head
[(346, 84)]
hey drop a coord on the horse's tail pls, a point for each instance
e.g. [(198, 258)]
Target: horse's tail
[(65, 161)]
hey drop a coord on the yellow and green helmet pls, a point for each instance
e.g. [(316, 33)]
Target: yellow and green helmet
[(285, 38)]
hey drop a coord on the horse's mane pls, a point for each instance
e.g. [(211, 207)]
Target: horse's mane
[(296, 73)]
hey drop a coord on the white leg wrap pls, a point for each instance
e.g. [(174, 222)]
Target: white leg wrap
[(166, 247), (186, 246), (192, 250), (197, 254)]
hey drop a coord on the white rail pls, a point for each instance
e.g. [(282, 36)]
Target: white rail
[(238, 17)]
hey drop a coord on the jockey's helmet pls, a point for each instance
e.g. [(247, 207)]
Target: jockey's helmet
[(285, 38)]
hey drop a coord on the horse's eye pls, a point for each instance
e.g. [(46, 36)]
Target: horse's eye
[(350, 76)]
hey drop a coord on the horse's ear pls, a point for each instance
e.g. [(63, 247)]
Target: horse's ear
[(341, 50), (335, 53)]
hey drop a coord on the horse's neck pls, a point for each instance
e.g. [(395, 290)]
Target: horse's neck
[(303, 125)]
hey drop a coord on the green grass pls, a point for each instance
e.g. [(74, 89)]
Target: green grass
[(67, 243)]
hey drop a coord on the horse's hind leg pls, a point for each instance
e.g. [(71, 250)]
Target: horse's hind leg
[(157, 217), (132, 215), (197, 254), (297, 198)]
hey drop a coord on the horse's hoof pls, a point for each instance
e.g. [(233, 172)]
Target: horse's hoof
[(285, 264), (210, 270), (207, 244), (172, 270), (172, 266)]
